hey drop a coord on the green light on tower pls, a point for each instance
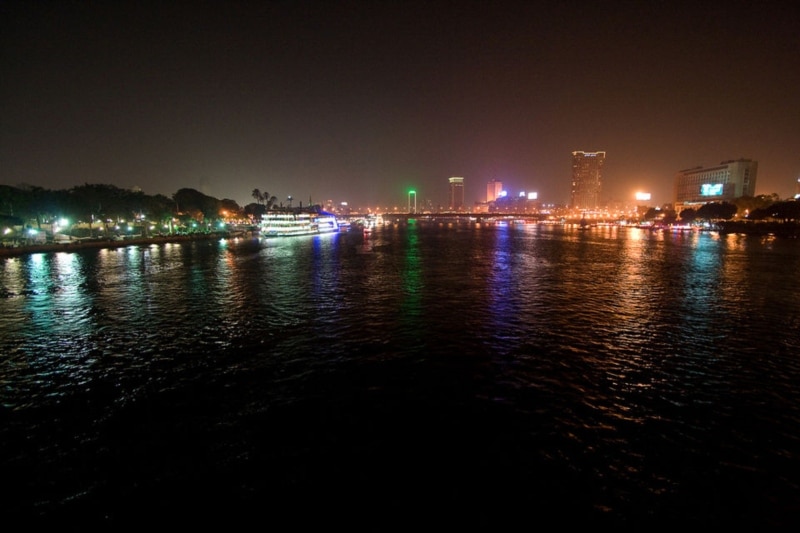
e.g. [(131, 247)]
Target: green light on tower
[(412, 206)]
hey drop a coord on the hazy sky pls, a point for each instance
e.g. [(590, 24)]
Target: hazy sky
[(359, 101)]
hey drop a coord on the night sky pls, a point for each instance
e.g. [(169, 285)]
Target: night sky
[(360, 101)]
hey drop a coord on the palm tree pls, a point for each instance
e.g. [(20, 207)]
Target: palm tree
[(258, 196)]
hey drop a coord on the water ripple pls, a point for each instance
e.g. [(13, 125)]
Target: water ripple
[(638, 372)]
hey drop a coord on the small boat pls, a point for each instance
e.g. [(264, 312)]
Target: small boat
[(290, 224)]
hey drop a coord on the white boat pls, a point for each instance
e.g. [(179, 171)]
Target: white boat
[(293, 224)]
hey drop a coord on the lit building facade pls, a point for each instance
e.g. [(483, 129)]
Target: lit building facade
[(727, 181), (493, 190), (587, 179), (456, 194)]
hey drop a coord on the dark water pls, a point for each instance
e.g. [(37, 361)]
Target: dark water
[(433, 375)]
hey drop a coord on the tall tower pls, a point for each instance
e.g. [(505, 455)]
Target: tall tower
[(493, 189), (587, 179), (456, 194), (412, 201)]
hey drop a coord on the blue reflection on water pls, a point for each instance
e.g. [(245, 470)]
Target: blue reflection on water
[(635, 371)]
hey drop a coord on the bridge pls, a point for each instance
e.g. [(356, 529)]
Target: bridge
[(404, 218)]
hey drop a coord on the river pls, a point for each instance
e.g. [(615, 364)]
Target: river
[(426, 375)]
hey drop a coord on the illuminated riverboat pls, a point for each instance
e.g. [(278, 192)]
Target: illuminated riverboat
[(294, 224)]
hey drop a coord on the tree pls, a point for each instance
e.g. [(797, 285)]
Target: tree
[(727, 210), (160, 210), (9, 197), (196, 204), (258, 196), (34, 204), (788, 210), (761, 213), (652, 213), (670, 217), (86, 202), (230, 206), (254, 211), (713, 211), (748, 204), (688, 215)]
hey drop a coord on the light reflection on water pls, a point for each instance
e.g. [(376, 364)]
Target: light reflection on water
[(627, 355)]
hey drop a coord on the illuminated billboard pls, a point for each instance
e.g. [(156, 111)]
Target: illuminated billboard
[(711, 189)]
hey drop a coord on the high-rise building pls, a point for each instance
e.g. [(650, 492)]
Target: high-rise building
[(456, 194), (587, 179), (727, 181), (493, 190)]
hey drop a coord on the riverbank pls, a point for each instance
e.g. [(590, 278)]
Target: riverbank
[(778, 229), (74, 246)]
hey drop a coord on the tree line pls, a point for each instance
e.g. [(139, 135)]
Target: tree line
[(758, 208), (102, 203)]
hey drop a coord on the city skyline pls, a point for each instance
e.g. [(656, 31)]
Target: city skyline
[(347, 101)]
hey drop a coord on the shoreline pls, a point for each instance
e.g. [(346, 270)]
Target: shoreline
[(75, 246), (784, 230), (789, 230)]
